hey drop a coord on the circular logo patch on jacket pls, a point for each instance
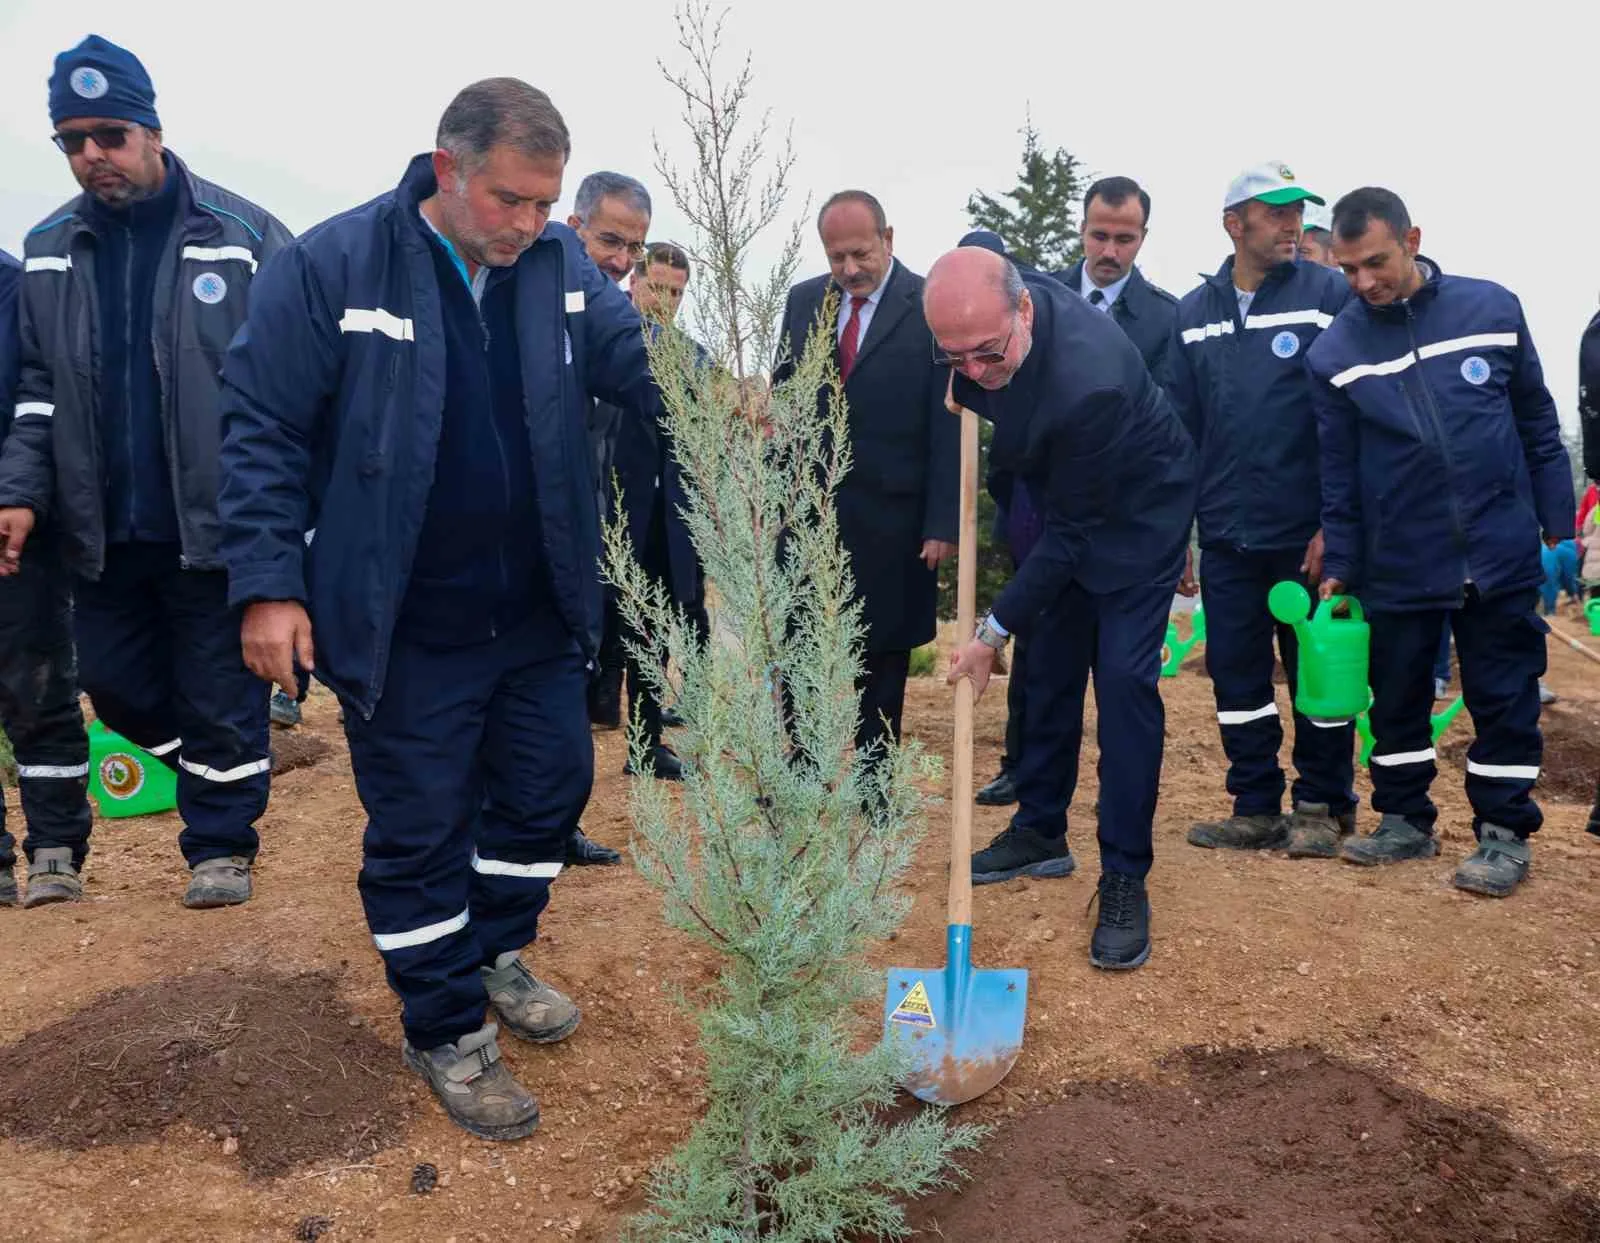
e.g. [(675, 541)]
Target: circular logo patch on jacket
[(1286, 344), (1474, 370), (88, 82), (210, 288)]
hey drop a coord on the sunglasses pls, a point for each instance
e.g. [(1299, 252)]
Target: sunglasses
[(106, 137), (986, 358)]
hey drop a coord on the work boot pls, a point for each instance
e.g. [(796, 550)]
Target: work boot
[(218, 882), (605, 700), (1121, 938), (283, 710), (662, 762), (1264, 832), (528, 1007), (1498, 865), (1021, 852), (1315, 833), (474, 1086), (8, 887), (52, 877), (1395, 840), (583, 850), (1001, 792)]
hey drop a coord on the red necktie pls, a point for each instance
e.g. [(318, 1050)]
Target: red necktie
[(851, 341)]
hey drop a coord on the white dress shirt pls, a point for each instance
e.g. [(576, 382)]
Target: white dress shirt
[(1109, 292), (867, 308)]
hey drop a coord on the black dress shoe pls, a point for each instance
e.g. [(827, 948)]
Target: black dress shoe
[(663, 764), (1121, 938), (1001, 792), (670, 718), (582, 851)]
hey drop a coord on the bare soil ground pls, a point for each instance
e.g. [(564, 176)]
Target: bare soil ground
[(1459, 1034)]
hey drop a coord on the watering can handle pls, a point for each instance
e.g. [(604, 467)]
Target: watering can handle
[(1326, 608), (966, 622)]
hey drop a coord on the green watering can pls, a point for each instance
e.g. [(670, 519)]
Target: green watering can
[(1333, 652), (125, 780), (1440, 722), (1175, 650), (1592, 612)]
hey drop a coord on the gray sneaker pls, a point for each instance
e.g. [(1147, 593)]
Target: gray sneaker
[(1315, 833), (1396, 839), (1498, 865), (219, 882), (8, 888), (1239, 833), (474, 1086), (527, 1006), (52, 878)]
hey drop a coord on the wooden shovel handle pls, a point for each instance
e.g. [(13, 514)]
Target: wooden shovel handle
[(966, 623)]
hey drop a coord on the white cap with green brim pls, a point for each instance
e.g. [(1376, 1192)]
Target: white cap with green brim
[(1271, 182), (1318, 216)]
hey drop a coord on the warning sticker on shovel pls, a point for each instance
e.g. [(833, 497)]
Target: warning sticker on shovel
[(914, 1009)]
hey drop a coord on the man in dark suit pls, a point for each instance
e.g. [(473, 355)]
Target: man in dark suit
[(1116, 218), (898, 505)]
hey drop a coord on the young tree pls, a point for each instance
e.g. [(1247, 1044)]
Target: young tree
[(1041, 229), (784, 850)]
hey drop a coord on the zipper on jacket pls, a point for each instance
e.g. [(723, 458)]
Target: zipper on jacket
[(128, 411), (500, 448), (1444, 445)]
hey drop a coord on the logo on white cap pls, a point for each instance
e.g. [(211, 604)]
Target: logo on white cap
[(88, 82)]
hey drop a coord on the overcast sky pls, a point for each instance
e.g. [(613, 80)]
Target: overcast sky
[(1482, 118)]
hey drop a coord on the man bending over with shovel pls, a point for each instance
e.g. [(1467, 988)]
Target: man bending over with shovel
[(1079, 420)]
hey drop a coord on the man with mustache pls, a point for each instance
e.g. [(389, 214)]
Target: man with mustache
[(409, 511), (1237, 377), (131, 293)]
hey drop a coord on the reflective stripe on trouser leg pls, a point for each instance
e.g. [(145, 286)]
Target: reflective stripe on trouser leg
[(1240, 660), (1400, 670), (1501, 645), (538, 764), (418, 772)]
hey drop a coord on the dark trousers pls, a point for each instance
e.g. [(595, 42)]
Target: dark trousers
[(882, 687), (1016, 704), (473, 771), (1500, 647), (159, 654), (1117, 636), (39, 707), (1240, 660), (653, 558)]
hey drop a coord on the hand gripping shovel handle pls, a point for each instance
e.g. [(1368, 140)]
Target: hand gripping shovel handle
[(966, 623)]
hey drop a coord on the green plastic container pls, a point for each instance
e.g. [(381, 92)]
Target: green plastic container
[(1591, 610), (1438, 723), (1333, 652), (126, 780), (1176, 650)]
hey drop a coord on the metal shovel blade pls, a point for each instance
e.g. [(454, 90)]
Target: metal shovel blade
[(960, 1027)]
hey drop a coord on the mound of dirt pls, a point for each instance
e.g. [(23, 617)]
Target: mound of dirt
[(1571, 762), (1293, 1147), (274, 1066), (292, 749)]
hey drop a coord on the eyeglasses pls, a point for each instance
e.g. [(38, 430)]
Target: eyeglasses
[(986, 358), (106, 137), (635, 250)]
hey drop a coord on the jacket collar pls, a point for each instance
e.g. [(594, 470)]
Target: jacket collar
[(194, 221), (1222, 281), (1398, 309)]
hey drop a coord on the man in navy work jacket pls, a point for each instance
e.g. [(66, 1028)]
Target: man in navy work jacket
[(131, 294), (1236, 373), (1442, 468), (1079, 420), (407, 482), (38, 690)]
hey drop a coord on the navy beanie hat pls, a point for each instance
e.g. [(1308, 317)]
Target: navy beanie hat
[(99, 79)]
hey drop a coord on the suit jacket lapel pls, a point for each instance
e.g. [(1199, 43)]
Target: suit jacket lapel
[(892, 308)]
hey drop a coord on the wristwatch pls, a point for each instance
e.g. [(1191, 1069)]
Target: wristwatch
[(991, 635)]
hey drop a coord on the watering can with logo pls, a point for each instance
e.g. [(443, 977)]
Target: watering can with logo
[(1333, 652), (126, 780)]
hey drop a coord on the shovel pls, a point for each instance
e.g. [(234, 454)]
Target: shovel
[(961, 1028)]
